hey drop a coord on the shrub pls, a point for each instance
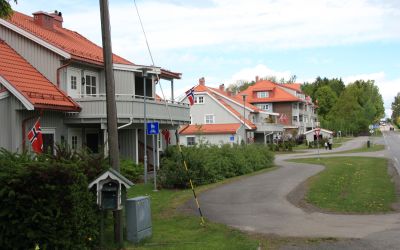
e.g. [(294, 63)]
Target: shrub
[(46, 201), (131, 170), (209, 164)]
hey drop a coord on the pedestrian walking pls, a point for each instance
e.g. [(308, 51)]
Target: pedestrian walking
[(330, 143), (326, 145)]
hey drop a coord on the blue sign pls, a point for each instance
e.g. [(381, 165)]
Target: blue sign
[(232, 138), (152, 128)]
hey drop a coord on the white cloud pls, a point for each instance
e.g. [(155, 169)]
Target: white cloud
[(249, 74)]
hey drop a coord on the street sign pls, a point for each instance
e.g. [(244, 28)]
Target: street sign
[(371, 131), (152, 128), (232, 138), (371, 126), (317, 131)]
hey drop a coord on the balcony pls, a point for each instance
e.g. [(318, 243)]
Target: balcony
[(129, 106), (268, 127)]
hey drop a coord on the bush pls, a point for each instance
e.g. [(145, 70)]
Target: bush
[(46, 201), (131, 170), (209, 164)]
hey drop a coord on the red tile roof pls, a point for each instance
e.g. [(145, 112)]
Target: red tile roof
[(294, 86), (276, 94), (229, 128), (36, 88), (72, 42)]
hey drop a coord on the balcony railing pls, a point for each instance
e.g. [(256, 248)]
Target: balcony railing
[(131, 106), (268, 127)]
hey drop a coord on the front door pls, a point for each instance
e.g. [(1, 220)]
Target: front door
[(48, 143), (92, 142), (75, 138), (74, 83)]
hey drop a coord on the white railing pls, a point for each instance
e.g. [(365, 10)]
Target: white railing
[(129, 96)]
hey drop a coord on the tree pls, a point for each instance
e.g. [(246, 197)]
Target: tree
[(326, 100), (336, 84), (5, 8), (396, 108)]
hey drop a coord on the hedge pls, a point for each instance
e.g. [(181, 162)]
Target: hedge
[(209, 164), (45, 201)]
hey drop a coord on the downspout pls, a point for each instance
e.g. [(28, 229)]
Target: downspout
[(58, 71), (126, 125)]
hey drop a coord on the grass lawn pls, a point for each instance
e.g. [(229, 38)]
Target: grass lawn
[(373, 148), (174, 230), (352, 185)]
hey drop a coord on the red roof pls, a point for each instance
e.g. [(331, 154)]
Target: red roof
[(294, 86), (229, 128), (72, 42), (29, 82), (276, 94)]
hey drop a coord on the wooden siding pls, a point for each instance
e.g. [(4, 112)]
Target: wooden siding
[(127, 144), (124, 82), (45, 61), (5, 123)]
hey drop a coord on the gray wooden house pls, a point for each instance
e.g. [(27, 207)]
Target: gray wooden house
[(55, 73)]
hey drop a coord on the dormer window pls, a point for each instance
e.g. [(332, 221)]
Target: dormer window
[(199, 99), (262, 94)]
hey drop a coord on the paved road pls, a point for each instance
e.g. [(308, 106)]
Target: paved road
[(259, 204)]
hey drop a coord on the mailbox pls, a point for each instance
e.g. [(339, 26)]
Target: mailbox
[(109, 195), (110, 187)]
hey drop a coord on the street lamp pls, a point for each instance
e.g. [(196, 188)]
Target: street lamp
[(244, 118)]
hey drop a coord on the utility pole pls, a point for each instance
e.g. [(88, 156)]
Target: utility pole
[(111, 108)]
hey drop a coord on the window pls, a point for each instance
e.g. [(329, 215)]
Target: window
[(305, 118), (294, 105), (191, 141), (199, 99), (209, 119), (91, 85), (264, 106), (300, 118), (262, 94), (74, 142), (73, 82), (295, 118)]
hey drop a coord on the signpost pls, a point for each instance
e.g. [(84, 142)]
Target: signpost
[(153, 129)]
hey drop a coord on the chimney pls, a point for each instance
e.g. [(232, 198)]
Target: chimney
[(257, 78), (202, 81), (43, 19), (58, 19), (222, 87)]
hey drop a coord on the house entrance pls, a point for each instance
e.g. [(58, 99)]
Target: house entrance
[(48, 143), (92, 142)]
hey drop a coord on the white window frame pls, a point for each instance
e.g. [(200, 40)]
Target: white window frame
[(262, 94), (191, 137), (197, 99), (265, 106), (295, 119), (91, 74), (206, 120)]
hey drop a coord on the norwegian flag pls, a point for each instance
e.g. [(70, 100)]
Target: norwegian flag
[(167, 136), (283, 119), (35, 137), (190, 96)]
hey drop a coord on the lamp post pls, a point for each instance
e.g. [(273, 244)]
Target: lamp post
[(244, 118)]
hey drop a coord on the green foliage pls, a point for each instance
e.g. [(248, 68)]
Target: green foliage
[(45, 201), (5, 8), (209, 164), (131, 170), (396, 109)]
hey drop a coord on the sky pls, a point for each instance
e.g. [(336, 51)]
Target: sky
[(228, 41)]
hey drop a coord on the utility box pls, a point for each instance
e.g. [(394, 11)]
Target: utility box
[(138, 219)]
